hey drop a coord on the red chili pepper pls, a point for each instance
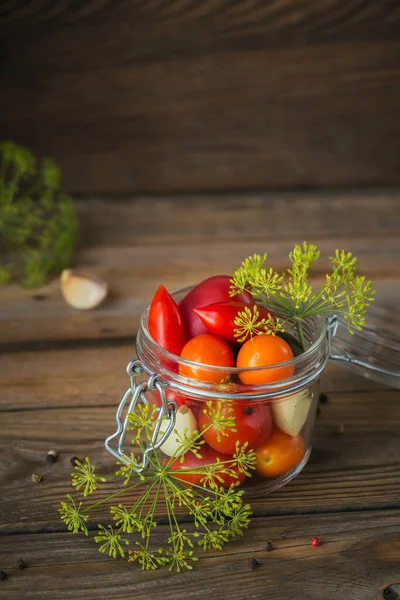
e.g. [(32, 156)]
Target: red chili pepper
[(219, 318), (165, 322)]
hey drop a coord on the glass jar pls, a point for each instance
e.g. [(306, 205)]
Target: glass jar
[(374, 351), (288, 406)]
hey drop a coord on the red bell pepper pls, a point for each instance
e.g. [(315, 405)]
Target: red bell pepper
[(219, 318), (165, 322)]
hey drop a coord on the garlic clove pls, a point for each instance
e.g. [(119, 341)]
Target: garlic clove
[(81, 290), (291, 413), (185, 420)]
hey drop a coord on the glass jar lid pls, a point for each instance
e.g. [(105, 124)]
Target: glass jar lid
[(373, 352)]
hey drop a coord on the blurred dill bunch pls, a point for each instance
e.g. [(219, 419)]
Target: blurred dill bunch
[(38, 222)]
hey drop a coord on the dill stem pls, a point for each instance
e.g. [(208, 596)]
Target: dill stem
[(119, 493), (300, 334), (169, 510)]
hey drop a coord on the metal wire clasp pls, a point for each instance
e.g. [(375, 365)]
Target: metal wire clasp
[(135, 394), (332, 325)]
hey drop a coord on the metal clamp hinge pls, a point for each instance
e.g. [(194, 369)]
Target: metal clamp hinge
[(135, 394)]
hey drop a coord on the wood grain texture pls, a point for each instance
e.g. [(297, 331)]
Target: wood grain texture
[(62, 395), (358, 559), (356, 470), (172, 95), (84, 376), (178, 242)]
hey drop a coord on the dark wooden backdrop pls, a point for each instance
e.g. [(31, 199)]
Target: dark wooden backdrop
[(175, 95)]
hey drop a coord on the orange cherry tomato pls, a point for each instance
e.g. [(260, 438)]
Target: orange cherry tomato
[(261, 351), (207, 349), (280, 453)]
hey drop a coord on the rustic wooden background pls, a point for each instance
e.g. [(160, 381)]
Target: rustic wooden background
[(62, 373), (176, 95), (142, 101), (178, 241)]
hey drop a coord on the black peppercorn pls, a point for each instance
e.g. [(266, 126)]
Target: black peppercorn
[(21, 564), (323, 398), (252, 563), (248, 410), (3, 575), (389, 593), (268, 546), (74, 460), (52, 456)]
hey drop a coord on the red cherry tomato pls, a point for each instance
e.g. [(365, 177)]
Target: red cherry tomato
[(220, 318), (209, 456), (279, 454), (261, 351), (213, 289), (166, 323), (177, 397), (206, 349), (253, 424)]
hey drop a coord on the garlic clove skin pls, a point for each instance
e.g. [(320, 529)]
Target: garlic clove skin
[(81, 290), (185, 419), (291, 413)]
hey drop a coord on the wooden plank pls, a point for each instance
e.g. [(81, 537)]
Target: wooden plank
[(218, 96), (262, 216), (64, 378), (97, 376), (358, 559), (24, 319), (139, 246), (356, 470)]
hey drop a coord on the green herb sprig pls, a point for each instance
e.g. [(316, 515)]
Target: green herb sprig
[(218, 513), (38, 223), (291, 296)]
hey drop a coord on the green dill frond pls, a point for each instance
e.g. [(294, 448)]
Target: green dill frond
[(180, 559), (292, 298), (181, 538), (239, 519), (247, 272), (248, 324), (111, 542), (128, 470), (187, 443), (84, 475), (142, 421), (221, 418), (158, 490), (124, 518), (244, 459), (200, 508), (38, 223), (214, 539), (73, 516), (148, 560)]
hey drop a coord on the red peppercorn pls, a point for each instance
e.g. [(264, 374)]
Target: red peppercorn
[(316, 542)]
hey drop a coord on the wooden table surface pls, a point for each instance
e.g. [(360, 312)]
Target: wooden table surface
[(62, 373)]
